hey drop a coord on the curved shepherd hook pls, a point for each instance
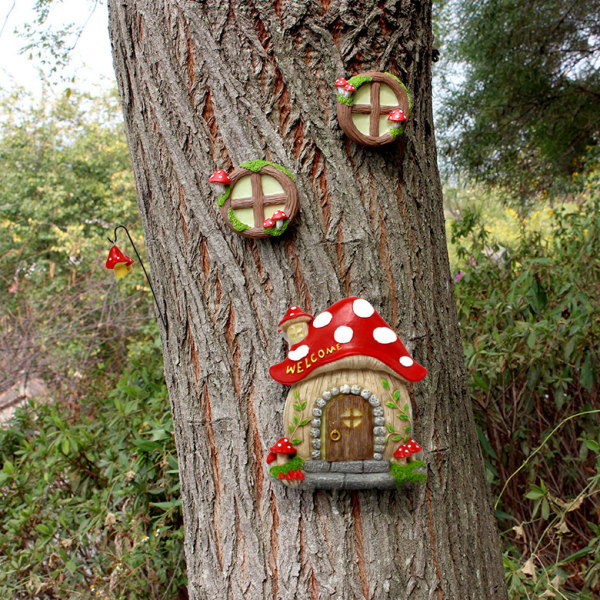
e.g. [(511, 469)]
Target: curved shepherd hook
[(114, 242)]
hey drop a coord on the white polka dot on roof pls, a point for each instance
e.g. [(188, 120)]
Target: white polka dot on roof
[(343, 334), (299, 353), (362, 308), (406, 361), (384, 335), (322, 320)]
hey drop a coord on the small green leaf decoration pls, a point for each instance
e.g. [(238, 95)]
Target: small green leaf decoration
[(403, 417), (396, 395), (303, 405), (296, 441), (385, 384), (397, 438), (291, 427), (296, 393), (405, 408), (408, 429), (296, 420), (391, 405), (304, 422), (297, 407), (390, 428)]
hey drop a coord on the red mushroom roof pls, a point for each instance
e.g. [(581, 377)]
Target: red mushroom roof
[(294, 312), (283, 446), (278, 215), (340, 82), (397, 115), (349, 87), (350, 327), (268, 223), (219, 177), (115, 256)]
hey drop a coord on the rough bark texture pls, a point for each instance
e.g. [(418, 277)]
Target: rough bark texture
[(212, 84)]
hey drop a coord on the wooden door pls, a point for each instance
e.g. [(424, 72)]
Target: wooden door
[(349, 429)]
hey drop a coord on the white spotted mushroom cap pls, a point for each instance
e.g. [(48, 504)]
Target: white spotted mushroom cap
[(350, 327), (283, 446)]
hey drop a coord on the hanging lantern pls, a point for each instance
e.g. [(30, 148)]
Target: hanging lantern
[(120, 263)]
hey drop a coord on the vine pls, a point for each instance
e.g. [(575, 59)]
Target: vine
[(402, 415), (298, 421)]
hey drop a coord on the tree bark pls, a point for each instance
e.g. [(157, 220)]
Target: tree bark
[(212, 84)]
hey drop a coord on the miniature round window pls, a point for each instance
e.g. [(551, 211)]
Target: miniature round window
[(372, 108), (260, 201)]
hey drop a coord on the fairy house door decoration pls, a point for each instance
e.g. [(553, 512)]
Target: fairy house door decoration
[(372, 108), (347, 418), (258, 199)]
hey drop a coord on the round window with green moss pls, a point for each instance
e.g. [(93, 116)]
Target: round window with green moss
[(258, 199), (372, 108)]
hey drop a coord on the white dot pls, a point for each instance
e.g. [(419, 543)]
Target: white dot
[(362, 308), (343, 334), (384, 335), (299, 353), (322, 320), (406, 361)]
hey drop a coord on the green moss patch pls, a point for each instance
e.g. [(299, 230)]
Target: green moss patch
[(273, 231), (223, 197), (346, 101), (397, 131), (293, 465), (359, 80), (256, 165), (237, 224), (407, 474), (410, 104)]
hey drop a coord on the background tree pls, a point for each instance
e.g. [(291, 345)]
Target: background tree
[(213, 84), (521, 106)]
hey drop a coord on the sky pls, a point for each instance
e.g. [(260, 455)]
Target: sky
[(91, 62)]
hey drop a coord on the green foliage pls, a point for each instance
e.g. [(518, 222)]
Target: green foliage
[(532, 343), (274, 232), (407, 473), (526, 109), (90, 494), (223, 197)]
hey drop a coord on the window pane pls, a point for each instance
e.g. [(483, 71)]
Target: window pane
[(270, 185), (387, 96), (271, 210), (245, 216), (243, 188), (361, 122), (363, 94), (384, 124)]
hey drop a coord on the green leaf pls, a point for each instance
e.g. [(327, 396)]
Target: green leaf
[(403, 417), (534, 494), (64, 446), (408, 429), (390, 428), (592, 445), (385, 384), (296, 393), (296, 407), (396, 395), (296, 420), (304, 422), (167, 505), (303, 405), (291, 428), (397, 438), (296, 441), (391, 405)]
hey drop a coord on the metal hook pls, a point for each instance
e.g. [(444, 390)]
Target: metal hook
[(160, 314)]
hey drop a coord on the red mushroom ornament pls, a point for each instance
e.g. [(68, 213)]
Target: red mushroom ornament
[(397, 118), (268, 223), (349, 89), (340, 84), (405, 450), (118, 262), (219, 179), (279, 217), (283, 446)]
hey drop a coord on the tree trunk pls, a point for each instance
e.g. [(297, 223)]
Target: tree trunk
[(212, 84)]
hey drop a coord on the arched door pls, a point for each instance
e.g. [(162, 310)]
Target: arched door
[(349, 429)]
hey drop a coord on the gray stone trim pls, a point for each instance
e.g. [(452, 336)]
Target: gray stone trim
[(379, 420)]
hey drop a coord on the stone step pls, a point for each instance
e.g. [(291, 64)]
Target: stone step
[(348, 466), (349, 481)]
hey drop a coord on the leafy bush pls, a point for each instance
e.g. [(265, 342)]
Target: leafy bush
[(531, 332), (89, 494)]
